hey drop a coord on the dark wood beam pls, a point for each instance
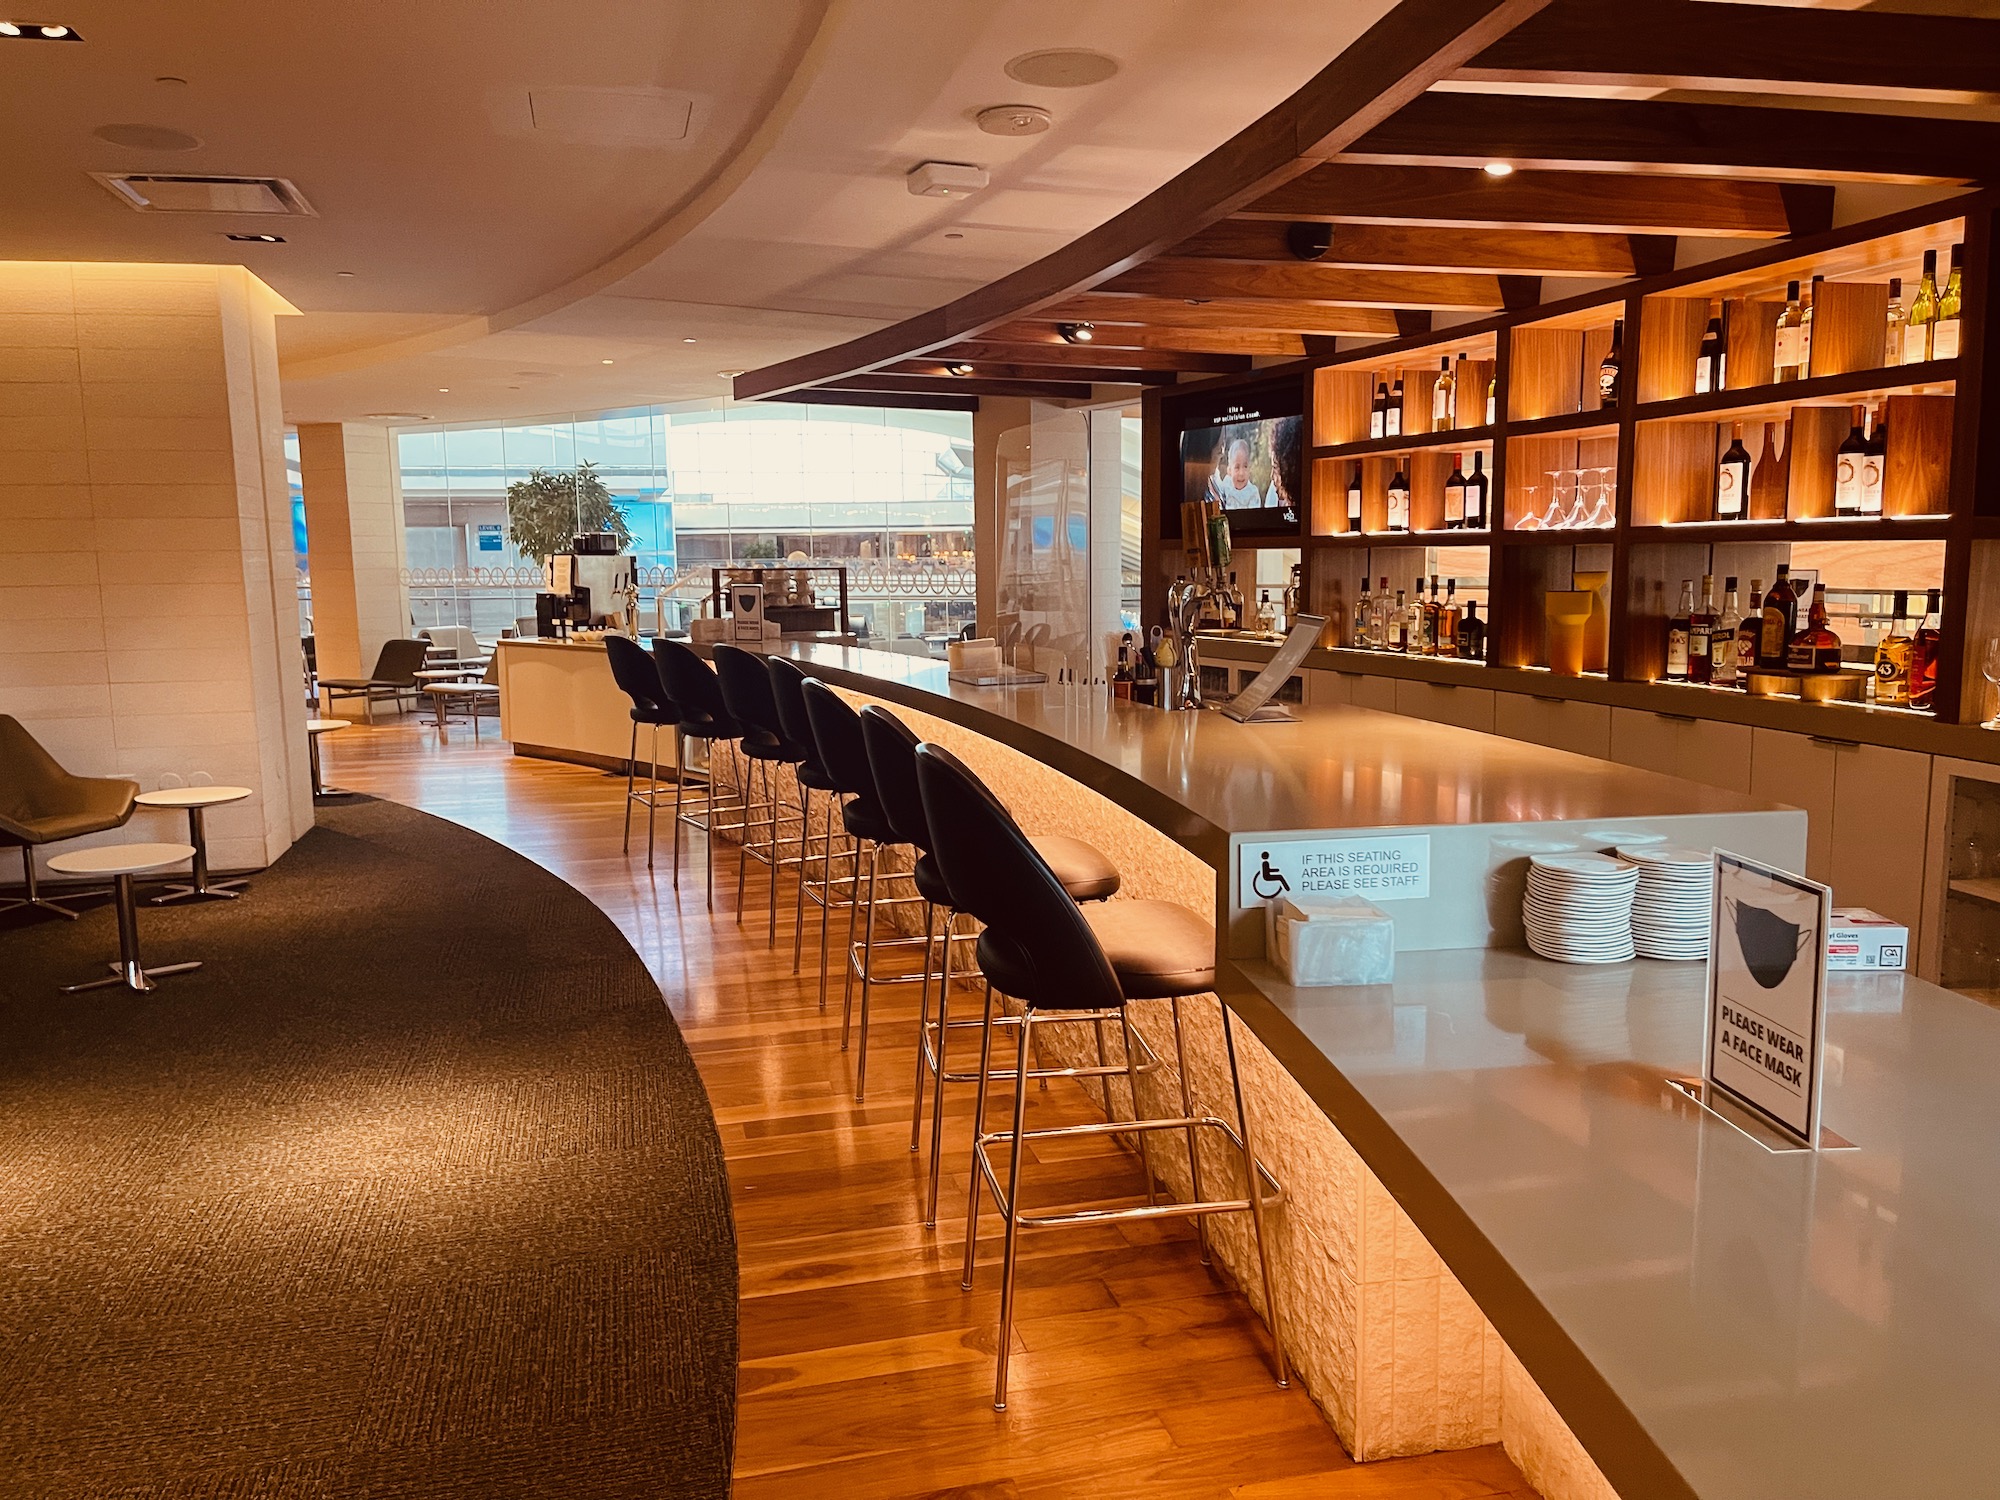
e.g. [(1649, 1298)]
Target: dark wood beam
[(1520, 292), (1412, 322), (1303, 281), (1109, 361), (1399, 247), (1767, 49), (1414, 45), (1190, 340), (895, 400), (1656, 136), (1226, 313), (990, 367), (971, 385), (1466, 198)]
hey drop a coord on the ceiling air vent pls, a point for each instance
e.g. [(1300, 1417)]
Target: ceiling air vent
[(194, 193)]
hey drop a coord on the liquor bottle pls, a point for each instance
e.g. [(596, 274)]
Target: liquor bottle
[(1146, 671), (1363, 636), (1392, 425), (1378, 411), (1924, 654), (1722, 640), (1732, 478), (1815, 648), (1121, 678), (1433, 628), (1492, 399), (1399, 624), (1847, 460), (1944, 335), (1875, 464), (1892, 658), (1701, 634), (1781, 613), (1475, 494), (1472, 633), (1380, 627), (1806, 329), (1771, 482), (1749, 633), (1709, 360), (1236, 607), (1923, 314), (1678, 630), (1892, 337), (1610, 367), (1413, 638), (1354, 498), (1294, 597), (1441, 393), (1454, 495), (1448, 618), (1267, 617), (1399, 500), (1785, 363)]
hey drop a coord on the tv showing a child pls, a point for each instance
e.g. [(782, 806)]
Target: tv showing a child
[(1249, 464)]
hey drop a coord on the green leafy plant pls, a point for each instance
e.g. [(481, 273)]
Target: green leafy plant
[(546, 510), (759, 551)]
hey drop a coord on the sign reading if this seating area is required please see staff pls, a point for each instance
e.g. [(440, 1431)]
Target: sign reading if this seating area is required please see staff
[(1392, 867)]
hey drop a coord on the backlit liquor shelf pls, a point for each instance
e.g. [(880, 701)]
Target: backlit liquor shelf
[(1818, 404)]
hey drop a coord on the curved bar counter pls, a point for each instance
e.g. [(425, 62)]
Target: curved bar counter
[(1502, 1224)]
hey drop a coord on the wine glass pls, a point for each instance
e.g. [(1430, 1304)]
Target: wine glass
[(1529, 520), (1989, 668), (1604, 513), (1556, 516)]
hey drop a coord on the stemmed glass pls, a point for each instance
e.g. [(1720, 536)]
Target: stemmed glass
[(1604, 512), (1529, 520), (1989, 668), (1557, 517)]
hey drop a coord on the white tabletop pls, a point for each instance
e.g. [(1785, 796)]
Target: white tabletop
[(192, 796), (325, 726), (121, 859)]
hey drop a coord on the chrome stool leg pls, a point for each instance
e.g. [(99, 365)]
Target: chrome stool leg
[(938, 1071), (1187, 1109), (867, 944), (1012, 1208), (631, 768), (652, 796), (978, 1130), (923, 1028)]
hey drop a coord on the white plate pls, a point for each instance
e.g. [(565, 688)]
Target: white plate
[(1586, 866), (1666, 854)]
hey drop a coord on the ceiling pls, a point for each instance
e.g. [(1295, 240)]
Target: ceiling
[(545, 209)]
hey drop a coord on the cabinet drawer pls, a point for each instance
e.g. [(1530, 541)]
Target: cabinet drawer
[(1443, 703), (1649, 741), (1371, 692), (1323, 688), (1559, 723), (1799, 771), (1881, 816)]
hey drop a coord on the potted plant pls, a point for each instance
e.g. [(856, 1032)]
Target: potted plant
[(546, 511)]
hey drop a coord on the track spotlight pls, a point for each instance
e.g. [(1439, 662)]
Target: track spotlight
[(1077, 333)]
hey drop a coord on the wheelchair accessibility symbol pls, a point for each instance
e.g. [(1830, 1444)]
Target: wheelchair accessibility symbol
[(1268, 882)]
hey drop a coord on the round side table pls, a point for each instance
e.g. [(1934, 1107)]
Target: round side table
[(197, 799), (121, 862), (314, 729)]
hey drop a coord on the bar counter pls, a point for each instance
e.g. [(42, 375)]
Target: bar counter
[(1501, 1223)]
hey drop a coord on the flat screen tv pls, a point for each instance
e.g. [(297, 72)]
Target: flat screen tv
[(1250, 456)]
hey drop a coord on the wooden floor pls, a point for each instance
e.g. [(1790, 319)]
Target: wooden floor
[(866, 1370)]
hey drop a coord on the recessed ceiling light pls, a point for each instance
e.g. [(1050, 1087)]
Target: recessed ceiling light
[(258, 239), (1077, 333), (1014, 119), (53, 33), (8, 28), (171, 81), (1499, 169), (607, 361), (961, 368), (687, 341), (444, 390), (953, 234), (343, 273), (1061, 68), (39, 31), (728, 374)]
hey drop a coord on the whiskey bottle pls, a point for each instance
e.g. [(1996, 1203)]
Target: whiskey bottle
[(1448, 620), (1944, 335), (1722, 641), (1267, 617), (1441, 396), (1875, 465), (1701, 634), (1924, 655), (1708, 361), (1392, 423), (1781, 613), (1399, 499), (1121, 678), (1815, 648), (1611, 367), (1454, 495), (1892, 658), (1475, 494), (1378, 411), (1847, 461), (1732, 478), (1678, 630), (1354, 498), (1399, 624), (1363, 635), (1433, 620), (1923, 314), (1749, 633), (1785, 361), (1472, 633), (1892, 337)]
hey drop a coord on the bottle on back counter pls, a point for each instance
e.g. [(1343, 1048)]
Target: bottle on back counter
[(1399, 622), (1121, 676), (1610, 369), (1815, 648), (1722, 642), (1267, 618), (1701, 634), (1710, 362), (1892, 657), (1379, 626), (1454, 495), (1432, 628), (1354, 497), (1924, 654), (1897, 324), (1476, 485), (1472, 633), (1780, 620), (1944, 335), (1399, 499), (1378, 411), (1492, 399), (1393, 424), (1441, 396), (1785, 349), (1749, 634), (1448, 620), (1678, 630), (1362, 638), (1917, 331)]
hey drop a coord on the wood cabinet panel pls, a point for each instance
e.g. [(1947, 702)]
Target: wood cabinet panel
[(1881, 817), (1559, 723), (1798, 770), (1443, 703)]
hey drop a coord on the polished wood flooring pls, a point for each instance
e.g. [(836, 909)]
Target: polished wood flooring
[(866, 1371)]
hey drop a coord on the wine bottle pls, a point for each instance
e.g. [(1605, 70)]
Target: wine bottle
[(1892, 337), (1815, 648), (1475, 494), (1354, 497), (1892, 658), (1399, 499), (1780, 614), (1441, 396), (1492, 399), (1923, 314), (1924, 654), (1732, 478), (1678, 631), (1722, 640), (1785, 347), (1748, 633), (1875, 464), (1454, 495), (1847, 461), (1610, 367), (1708, 361), (1378, 411), (1944, 336), (1806, 329), (1701, 634), (1392, 425)]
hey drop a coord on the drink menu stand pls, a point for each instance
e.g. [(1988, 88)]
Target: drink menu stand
[(121, 862), (196, 800)]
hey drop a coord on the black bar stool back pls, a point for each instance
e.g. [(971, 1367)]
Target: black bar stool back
[(697, 697), (638, 678), (788, 687), (747, 693)]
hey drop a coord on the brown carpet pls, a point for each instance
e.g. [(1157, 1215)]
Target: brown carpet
[(412, 1190)]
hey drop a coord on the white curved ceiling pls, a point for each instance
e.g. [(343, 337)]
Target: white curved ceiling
[(472, 164)]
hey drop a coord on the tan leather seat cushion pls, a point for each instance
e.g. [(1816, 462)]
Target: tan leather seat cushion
[(1085, 873), (1156, 948)]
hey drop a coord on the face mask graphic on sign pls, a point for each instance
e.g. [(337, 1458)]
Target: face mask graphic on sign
[(1770, 945)]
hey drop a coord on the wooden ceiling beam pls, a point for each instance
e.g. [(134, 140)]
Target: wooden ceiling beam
[(1010, 367), (1225, 313), (1394, 247), (1466, 198), (1654, 136), (1184, 340), (1107, 357), (1768, 49), (896, 400), (1302, 281), (1417, 43), (970, 385)]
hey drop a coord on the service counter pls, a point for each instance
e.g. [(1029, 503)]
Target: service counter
[(559, 702), (1500, 1222)]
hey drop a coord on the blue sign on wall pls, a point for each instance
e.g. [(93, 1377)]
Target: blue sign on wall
[(492, 537)]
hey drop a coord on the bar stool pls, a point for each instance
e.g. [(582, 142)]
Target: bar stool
[(702, 715), (747, 693), (1040, 950), (1083, 872), (788, 681), (638, 678)]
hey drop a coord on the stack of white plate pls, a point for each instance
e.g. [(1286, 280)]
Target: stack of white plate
[(1579, 907), (1670, 913)]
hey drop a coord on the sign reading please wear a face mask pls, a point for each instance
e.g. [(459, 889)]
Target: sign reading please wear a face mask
[(1767, 992)]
